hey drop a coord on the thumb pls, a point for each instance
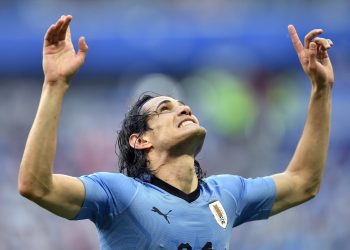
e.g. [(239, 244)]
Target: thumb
[(82, 50), (312, 56)]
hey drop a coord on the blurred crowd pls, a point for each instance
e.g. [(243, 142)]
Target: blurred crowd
[(231, 61)]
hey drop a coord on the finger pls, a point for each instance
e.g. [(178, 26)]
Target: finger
[(310, 36), (323, 42), (51, 34), (295, 39), (82, 50), (59, 25), (330, 42), (68, 35), (312, 55), (55, 31), (64, 27), (321, 52)]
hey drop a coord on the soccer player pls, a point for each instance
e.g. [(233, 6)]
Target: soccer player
[(163, 201)]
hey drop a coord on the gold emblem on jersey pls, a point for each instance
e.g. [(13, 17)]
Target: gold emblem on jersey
[(219, 213)]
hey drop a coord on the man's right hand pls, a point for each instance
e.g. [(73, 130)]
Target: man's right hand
[(60, 194), (60, 62)]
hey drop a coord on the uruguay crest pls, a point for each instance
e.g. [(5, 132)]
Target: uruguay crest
[(219, 213)]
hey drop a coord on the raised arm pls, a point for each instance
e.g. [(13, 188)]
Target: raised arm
[(302, 178), (60, 194)]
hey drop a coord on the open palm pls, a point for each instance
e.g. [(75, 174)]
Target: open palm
[(60, 61)]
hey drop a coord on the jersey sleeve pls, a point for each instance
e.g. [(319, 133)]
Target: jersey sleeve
[(254, 198), (105, 193)]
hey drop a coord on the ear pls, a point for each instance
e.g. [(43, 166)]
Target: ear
[(137, 141)]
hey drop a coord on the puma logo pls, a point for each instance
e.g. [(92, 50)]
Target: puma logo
[(156, 210)]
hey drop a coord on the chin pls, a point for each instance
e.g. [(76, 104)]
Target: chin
[(192, 139), (193, 131), (200, 143)]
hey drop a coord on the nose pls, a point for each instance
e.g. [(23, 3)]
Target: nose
[(184, 110)]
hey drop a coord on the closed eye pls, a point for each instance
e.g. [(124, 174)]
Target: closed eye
[(164, 108)]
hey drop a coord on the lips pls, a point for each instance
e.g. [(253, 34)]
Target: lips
[(186, 122)]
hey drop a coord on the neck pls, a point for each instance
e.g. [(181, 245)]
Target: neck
[(178, 171)]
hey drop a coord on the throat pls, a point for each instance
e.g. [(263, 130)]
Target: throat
[(178, 172)]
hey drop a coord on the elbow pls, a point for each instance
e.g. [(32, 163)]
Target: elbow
[(311, 192), (30, 190), (31, 185), (27, 191), (24, 185), (24, 191)]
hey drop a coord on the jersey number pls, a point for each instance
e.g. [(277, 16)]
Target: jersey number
[(207, 246)]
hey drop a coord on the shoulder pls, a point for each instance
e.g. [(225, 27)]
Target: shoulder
[(110, 180), (106, 193), (107, 176), (240, 185), (224, 180), (228, 179)]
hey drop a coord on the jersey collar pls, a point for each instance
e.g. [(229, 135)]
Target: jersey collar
[(174, 191)]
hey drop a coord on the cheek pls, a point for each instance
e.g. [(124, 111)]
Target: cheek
[(161, 123), (163, 130)]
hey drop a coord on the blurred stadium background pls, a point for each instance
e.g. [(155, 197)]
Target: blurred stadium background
[(232, 61)]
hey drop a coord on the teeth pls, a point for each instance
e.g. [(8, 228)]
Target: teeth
[(186, 123)]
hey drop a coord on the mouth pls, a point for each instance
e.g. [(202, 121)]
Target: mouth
[(186, 122)]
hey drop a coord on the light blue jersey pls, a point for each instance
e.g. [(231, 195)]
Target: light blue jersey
[(134, 214)]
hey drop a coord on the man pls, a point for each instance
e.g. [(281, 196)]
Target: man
[(164, 202)]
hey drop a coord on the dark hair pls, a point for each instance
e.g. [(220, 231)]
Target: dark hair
[(133, 162)]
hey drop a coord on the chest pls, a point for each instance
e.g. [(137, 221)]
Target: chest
[(162, 221)]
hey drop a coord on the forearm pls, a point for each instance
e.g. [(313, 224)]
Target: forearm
[(35, 176), (310, 156)]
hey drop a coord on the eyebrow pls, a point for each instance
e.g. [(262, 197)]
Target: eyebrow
[(167, 101)]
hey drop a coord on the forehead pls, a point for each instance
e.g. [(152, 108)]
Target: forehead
[(154, 102)]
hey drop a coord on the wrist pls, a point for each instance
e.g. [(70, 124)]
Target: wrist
[(58, 87), (319, 83), (321, 86), (321, 91)]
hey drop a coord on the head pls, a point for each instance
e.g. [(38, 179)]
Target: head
[(157, 123)]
